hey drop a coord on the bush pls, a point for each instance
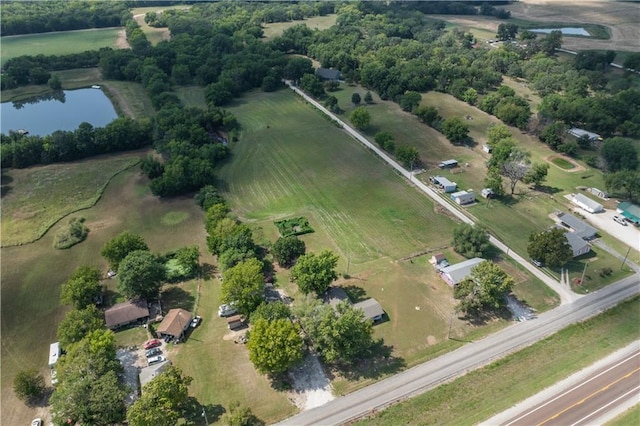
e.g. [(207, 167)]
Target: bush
[(71, 234), (295, 226), (28, 385)]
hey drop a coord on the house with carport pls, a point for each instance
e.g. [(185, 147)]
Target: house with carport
[(174, 324)]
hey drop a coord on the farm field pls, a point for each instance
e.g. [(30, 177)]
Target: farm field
[(511, 221), (483, 393), (315, 22), (58, 43)]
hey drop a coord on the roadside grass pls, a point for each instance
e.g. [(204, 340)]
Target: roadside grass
[(563, 164), (276, 29), (490, 390), (31, 274), (57, 43), (631, 417), (40, 196)]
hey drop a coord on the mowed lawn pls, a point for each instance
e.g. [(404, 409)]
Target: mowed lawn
[(315, 23), (57, 43)]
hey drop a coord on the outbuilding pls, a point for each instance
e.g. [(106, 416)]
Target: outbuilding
[(447, 164), (371, 308), (578, 133), (586, 203), (235, 322), (630, 211), (54, 354), (444, 183), (463, 197), (487, 193), (459, 272), (487, 148), (580, 228)]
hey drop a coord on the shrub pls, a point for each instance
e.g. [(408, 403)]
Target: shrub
[(71, 234)]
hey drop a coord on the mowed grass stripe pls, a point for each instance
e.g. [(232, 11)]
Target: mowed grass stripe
[(300, 162)]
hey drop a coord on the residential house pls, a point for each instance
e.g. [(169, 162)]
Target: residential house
[(630, 211), (459, 272), (463, 197), (175, 323), (578, 245), (329, 74), (371, 308), (126, 313), (580, 228), (335, 295), (586, 203)]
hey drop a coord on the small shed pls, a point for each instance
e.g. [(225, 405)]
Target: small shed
[(586, 203), (235, 322), (578, 133), (487, 148), (329, 74), (448, 164), (445, 184), (437, 258), (599, 193), (175, 323), (463, 197), (371, 308), (487, 193), (335, 295), (54, 354)]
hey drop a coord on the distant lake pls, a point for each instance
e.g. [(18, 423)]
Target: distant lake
[(63, 110), (564, 31)]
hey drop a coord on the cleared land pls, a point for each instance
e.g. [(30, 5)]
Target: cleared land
[(490, 390), (154, 35), (58, 43), (316, 22)]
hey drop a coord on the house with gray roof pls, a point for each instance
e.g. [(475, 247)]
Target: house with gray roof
[(580, 228), (371, 308), (578, 245), (459, 272), (329, 74)]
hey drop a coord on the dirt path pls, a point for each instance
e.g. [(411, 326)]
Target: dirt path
[(118, 98), (121, 41)]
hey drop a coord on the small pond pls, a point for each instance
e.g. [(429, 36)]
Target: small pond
[(564, 31), (63, 110)]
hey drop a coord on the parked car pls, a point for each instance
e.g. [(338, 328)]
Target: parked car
[(537, 263), (111, 273), (155, 359), (36, 422), (196, 321), (620, 220), (151, 343), (153, 352), (226, 310)]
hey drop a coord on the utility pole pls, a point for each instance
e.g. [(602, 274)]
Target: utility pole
[(625, 258), (583, 272), (450, 324)]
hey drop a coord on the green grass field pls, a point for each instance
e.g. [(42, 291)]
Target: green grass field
[(315, 22), (629, 418), (483, 393), (39, 197), (563, 164), (57, 43)]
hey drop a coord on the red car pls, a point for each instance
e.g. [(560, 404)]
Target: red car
[(151, 343)]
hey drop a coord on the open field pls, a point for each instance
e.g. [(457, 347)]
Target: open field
[(492, 389), (315, 22), (39, 197), (629, 418), (154, 35), (58, 43)]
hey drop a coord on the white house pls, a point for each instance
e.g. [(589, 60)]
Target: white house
[(487, 193), (586, 203), (463, 197), (459, 272)]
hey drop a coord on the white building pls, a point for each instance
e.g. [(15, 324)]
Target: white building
[(463, 197), (586, 203)]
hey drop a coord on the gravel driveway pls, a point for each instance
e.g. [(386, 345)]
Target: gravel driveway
[(630, 235)]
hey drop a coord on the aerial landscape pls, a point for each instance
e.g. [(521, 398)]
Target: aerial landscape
[(320, 213)]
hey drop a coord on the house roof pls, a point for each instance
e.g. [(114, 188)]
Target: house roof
[(462, 270), (328, 74), (449, 162), (125, 312), (576, 243), (438, 257), (148, 373), (579, 227), (175, 322), (235, 318), (581, 132), (371, 308), (460, 194), (630, 211), (444, 181), (592, 204), (335, 295)]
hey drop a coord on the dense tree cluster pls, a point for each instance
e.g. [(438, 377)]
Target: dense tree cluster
[(41, 17), (550, 247), (82, 288), (471, 241), (314, 273)]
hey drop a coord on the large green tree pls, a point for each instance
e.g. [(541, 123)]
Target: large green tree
[(140, 275), (76, 324), (240, 415), (244, 285), (274, 345), (119, 247), (455, 129), (287, 249), (314, 273), (619, 154), (163, 401), (624, 181), (271, 311), (360, 118), (408, 155), (82, 288), (550, 247), (188, 258), (471, 240), (537, 174), (486, 288), (28, 385)]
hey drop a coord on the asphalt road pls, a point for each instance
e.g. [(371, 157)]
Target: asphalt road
[(469, 357), (584, 402)]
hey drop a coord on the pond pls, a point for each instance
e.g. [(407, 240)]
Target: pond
[(564, 31), (63, 110)]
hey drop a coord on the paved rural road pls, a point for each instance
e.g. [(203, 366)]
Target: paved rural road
[(565, 293), (469, 357), (608, 389)]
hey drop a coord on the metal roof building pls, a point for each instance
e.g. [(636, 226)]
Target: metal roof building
[(580, 228), (457, 273), (630, 211)]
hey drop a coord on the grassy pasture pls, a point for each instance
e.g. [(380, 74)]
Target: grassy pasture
[(315, 22), (58, 43), (631, 417), (483, 393), (39, 197)]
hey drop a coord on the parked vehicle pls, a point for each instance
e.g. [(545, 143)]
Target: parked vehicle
[(196, 321), (36, 422), (620, 220), (537, 263), (153, 352), (155, 360), (151, 343), (226, 310)]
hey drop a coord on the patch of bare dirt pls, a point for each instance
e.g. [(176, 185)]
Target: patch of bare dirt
[(121, 40), (119, 98), (576, 167)]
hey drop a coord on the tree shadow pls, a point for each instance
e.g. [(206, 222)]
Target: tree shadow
[(195, 413), (378, 363), (483, 317), (5, 179), (175, 297), (548, 189), (355, 293), (42, 400), (207, 271), (4, 190)]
